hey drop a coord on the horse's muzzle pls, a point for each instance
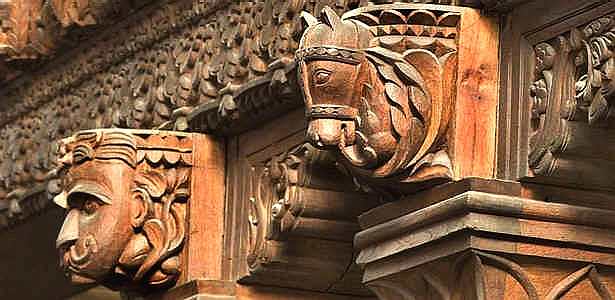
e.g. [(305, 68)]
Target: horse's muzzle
[(329, 133)]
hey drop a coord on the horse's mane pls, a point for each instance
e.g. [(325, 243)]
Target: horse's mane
[(401, 82), (397, 76)]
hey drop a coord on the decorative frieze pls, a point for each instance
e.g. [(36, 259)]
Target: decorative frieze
[(151, 72), (35, 29)]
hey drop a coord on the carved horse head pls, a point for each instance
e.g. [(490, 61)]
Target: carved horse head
[(382, 110)]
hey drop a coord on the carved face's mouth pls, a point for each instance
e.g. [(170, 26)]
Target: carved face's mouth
[(77, 257)]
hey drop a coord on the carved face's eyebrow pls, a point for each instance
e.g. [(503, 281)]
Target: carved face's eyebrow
[(90, 188)]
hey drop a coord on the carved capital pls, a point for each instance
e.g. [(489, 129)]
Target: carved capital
[(483, 275), (572, 107), (125, 193), (378, 84), (482, 240)]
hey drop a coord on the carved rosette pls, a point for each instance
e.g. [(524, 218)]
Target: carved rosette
[(572, 108), (378, 87), (126, 193)]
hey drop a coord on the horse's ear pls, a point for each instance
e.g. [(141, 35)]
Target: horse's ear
[(330, 17), (308, 19)]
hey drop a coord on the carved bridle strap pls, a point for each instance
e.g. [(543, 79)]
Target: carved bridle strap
[(332, 111), (326, 52)]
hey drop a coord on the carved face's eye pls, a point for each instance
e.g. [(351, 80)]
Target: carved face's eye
[(321, 76), (90, 206), (86, 203)]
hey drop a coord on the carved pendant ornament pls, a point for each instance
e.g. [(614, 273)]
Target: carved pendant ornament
[(378, 89), (125, 192)]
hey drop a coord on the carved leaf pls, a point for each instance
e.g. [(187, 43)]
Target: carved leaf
[(156, 235), (399, 107), (388, 74), (410, 74), (576, 39), (135, 252)]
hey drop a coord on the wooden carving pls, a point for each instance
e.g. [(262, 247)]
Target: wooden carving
[(573, 107), (292, 212), (35, 29), (276, 206), (484, 240), (125, 193), (158, 69), (378, 87), (467, 276)]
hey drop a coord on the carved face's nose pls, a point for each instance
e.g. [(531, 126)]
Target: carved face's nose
[(69, 232)]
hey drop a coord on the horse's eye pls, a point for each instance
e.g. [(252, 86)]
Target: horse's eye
[(321, 76)]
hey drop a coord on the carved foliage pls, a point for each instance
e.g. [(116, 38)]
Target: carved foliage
[(572, 100), (373, 82), (149, 74), (134, 185), (35, 29), (276, 205)]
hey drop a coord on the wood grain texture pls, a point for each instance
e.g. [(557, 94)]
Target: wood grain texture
[(203, 254), (473, 138)]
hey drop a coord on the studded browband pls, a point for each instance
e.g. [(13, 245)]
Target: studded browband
[(332, 111), (346, 55)]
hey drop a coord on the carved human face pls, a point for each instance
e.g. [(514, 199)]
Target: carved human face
[(330, 93), (98, 224)]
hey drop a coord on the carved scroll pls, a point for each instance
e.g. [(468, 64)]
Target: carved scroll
[(302, 224), (126, 193), (377, 87), (573, 111)]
